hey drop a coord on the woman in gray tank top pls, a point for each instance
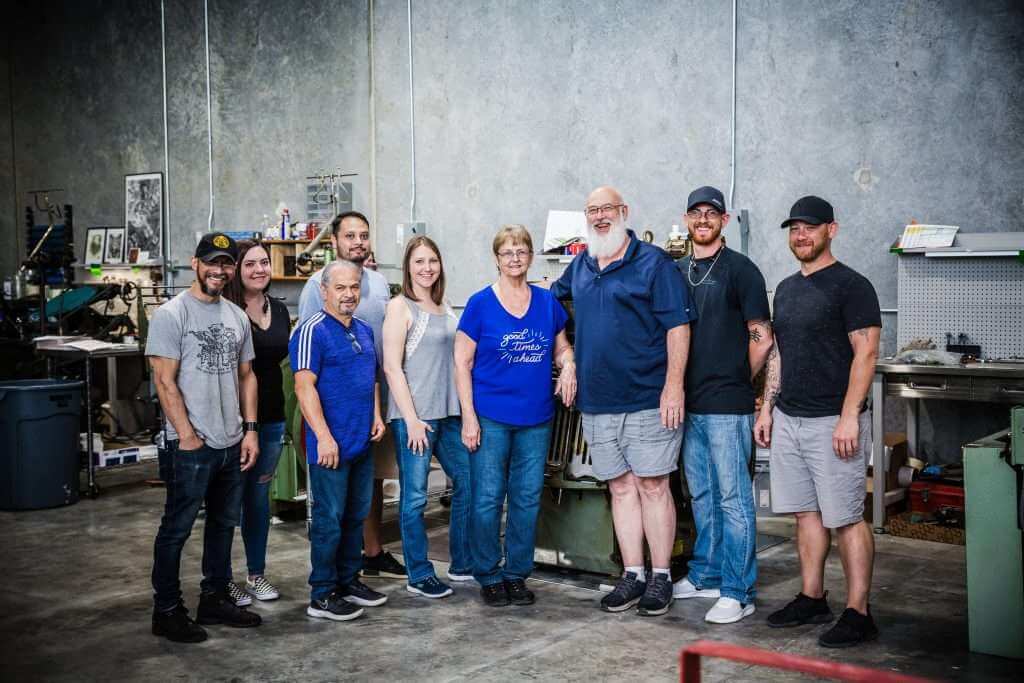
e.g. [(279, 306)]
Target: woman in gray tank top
[(423, 409)]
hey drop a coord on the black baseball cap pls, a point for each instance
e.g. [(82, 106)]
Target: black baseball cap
[(706, 195), (214, 244), (810, 209)]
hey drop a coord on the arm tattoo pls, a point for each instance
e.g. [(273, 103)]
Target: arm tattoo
[(755, 335), (773, 381), (862, 332), (755, 330)]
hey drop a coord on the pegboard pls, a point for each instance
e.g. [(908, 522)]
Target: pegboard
[(982, 297)]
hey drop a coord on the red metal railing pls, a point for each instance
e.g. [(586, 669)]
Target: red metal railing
[(689, 664)]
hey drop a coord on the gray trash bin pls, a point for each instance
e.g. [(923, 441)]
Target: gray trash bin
[(39, 461)]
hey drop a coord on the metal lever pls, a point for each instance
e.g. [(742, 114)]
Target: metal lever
[(939, 387)]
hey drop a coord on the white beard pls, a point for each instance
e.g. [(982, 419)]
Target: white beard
[(603, 246)]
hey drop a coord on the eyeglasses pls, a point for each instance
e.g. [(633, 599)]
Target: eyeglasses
[(707, 214), (355, 342), (508, 255), (609, 209)]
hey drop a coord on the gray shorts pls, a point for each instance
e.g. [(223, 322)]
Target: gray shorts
[(631, 442), (808, 476)]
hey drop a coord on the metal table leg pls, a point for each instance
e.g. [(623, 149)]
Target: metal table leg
[(93, 490), (878, 452), (912, 410)]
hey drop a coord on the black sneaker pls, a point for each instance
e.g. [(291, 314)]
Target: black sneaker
[(335, 608), (176, 625), (657, 596), (359, 593), (518, 593), (853, 628), (383, 564), (627, 592), (219, 608), (802, 610), (495, 594)]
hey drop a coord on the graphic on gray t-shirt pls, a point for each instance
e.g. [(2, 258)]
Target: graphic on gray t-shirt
[(209, 340)]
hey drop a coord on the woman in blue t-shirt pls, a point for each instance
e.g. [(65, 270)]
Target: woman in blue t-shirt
[(509, 335)]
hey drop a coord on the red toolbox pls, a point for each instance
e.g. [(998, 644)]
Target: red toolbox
[(929, 496)]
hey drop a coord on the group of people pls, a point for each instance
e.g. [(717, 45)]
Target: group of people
[(662, 372)]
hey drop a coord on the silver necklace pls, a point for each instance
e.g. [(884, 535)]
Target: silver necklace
[(689, 269)]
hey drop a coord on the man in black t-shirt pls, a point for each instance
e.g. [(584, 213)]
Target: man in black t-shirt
[(827, 324), (729, 342)]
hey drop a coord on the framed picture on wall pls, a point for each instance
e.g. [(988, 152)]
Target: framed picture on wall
[(144, 213), (113, 249), (94, 243)]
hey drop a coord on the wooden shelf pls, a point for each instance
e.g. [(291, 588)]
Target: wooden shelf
[(287, 241), (289, 278)]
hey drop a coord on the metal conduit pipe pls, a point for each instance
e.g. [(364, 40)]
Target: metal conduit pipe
[(373, 123), (209, 109), (412, 121), (732, 162), (165, 233)]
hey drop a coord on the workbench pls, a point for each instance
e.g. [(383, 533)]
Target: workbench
[(994, 382)]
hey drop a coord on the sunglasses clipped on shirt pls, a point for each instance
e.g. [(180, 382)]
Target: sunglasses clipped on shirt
[(356, 346)]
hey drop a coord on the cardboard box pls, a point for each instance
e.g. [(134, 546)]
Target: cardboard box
[(124, 456), (895, 458)]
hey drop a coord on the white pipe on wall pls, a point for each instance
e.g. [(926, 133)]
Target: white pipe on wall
[(732, 162), (412, 121), (209, 109), (165, 234), (373, 125)]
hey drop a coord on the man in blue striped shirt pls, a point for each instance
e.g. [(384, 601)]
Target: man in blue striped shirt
[(335, 365)]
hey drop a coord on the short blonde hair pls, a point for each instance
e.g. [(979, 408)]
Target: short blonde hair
[(515, 233)]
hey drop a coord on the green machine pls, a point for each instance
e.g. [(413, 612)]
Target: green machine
[(994, 506), (574, 527)]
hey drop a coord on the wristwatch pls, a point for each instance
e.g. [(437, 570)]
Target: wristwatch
[(250, 426)]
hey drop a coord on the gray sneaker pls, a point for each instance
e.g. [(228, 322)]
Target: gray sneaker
[(658, 596), (627, 592)]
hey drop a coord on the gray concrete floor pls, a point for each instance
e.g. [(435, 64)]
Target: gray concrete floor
[(76, 606)]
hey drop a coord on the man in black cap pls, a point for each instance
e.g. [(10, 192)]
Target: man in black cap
[(200, 351), (729, 342), (827, 324)]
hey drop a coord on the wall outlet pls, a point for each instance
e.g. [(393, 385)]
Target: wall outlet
[(407, 231)]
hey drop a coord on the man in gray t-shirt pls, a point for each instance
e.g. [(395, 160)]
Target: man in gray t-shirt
[(200, 350)]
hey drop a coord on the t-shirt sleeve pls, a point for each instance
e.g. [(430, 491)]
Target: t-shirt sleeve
[(309, 300), (471, 319), (860, 307), (753, 294), (670, 302), (304, 351), (562, 287), (164, 337), (245, 351)]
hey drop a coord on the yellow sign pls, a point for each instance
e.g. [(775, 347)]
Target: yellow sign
[(221, 242)]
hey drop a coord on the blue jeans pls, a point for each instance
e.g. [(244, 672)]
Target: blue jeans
[(510, 461), (256, 498), (191, 477), (445, 444), (341, 501), (716, 453)]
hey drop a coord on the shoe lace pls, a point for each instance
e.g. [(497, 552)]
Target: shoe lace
[(625, 586)]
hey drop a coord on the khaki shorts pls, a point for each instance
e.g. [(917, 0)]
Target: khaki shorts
[(631, 442), (808, 476), (385, 463)]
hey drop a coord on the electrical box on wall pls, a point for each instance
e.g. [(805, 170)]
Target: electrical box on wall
[(407, 231)]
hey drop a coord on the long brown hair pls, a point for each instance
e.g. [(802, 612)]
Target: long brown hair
[(235, 292), (436, 289)]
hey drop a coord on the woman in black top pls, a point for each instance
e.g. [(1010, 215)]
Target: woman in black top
[(270, 326)]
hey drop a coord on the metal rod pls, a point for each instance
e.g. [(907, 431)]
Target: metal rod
[(373, 123), (732, 161), (412, 121), (209, 109), (165, 236)]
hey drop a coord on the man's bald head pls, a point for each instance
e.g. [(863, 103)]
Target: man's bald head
[(605, 194)]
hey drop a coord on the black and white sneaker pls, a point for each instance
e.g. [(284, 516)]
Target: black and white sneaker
[(383, 564), (238, 596), (359, 593), (261, 589), (657, 596), (627, 592), (335, 608)]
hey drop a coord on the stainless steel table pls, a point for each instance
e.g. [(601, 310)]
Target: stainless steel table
[(54, 354), (982, 382)]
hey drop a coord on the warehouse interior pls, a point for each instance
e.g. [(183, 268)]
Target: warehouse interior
[(451, 119)]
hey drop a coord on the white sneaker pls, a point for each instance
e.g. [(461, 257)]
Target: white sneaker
[(683, 589), (728, 611), (238, 596), (459, 578), (261, 589)]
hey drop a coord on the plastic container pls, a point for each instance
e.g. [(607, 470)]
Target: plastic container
[(39, 461)]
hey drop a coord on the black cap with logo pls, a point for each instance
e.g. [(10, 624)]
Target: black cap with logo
[(706, 195), (810, 209), (214, 244)]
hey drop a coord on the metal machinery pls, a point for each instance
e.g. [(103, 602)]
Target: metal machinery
[(993, 474)]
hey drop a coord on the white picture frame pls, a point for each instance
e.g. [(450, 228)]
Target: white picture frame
[(114, 247), (144, 214)]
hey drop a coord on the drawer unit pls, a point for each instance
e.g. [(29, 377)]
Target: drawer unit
[(998, 389), (951, 387)]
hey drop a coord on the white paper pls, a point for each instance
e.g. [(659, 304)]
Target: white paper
[(89, 345), (915, 236), (563, 227)]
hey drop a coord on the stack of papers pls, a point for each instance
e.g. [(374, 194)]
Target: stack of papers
[(928, 236)]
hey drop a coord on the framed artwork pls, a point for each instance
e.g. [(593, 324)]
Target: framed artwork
[(113, 249), (133, 255), (144, 214), (94, 243)]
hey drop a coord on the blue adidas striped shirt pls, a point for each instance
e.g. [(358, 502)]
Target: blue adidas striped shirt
[(345, 374)]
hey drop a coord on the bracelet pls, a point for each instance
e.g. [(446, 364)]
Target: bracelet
[(250, 426)]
